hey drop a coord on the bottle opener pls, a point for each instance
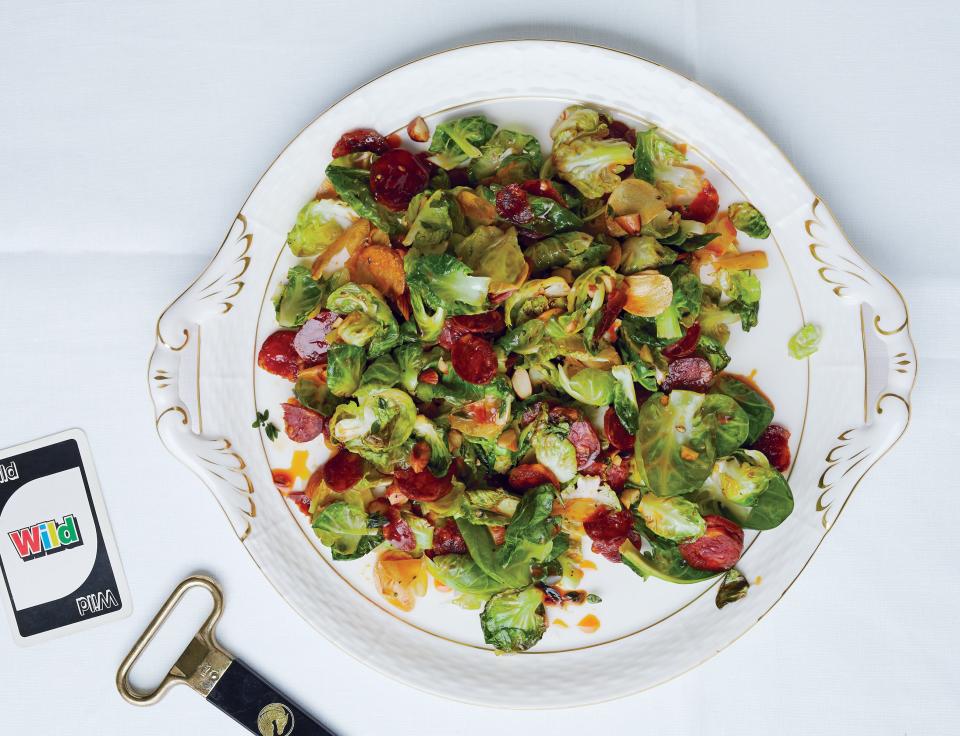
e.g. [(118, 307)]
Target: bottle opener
[(226, 682)]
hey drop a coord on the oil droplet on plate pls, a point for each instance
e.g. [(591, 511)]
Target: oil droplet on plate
[(588, 565), (588, 624), (758, 580), (560, 622)]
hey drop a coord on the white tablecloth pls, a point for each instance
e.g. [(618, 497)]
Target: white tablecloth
[(131, 132)]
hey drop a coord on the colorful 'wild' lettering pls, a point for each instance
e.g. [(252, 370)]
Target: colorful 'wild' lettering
[(46, 538)]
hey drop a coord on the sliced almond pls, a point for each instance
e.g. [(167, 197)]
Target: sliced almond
[(418, 130), (648, 294), (522, 386), (476, 208)]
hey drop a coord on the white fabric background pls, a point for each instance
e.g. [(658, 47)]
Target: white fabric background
[(131, 132)]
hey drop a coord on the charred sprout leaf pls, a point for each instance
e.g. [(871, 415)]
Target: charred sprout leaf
[(675, 442), (591, 164), (662, 559), (456, 142), (412, 360), (369, 319), (493, 253), (591, 386), (712, 350), (344, 528), (316, 395), (514, 620), (462, 574), (523, 339), (743, 290), (644, 253), (382, 422), (576, 121), (502, 145), (758, 409), (749, 491), (534, 298), (748, 219), (436, 438), (384, 372), (556, 452), (353, 187), (550, 217), (560, 250), (445, 283), (625, 397), (298, 299), (733, 588), (675, 518), (731, 423), (654, 156), (433, 219), (690, 236), (805, 342), (344, 368), (314, 230)]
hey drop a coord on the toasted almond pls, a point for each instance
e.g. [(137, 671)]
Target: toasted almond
[(418, 130), (522, 386), (476, 208), (630, 223), (508, 440), (454, 440), (648, 293), (326, 190), (442, 366), (614, 257)]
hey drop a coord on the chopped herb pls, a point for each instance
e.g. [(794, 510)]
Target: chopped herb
[(594, 598), (805, 341)]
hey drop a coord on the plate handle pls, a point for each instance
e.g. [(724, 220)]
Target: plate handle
[(886, 337), (174, 378)]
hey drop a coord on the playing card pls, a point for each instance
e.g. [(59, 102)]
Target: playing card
[(58, 557)]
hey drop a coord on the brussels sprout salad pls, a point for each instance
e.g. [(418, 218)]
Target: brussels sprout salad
[(514, 354)]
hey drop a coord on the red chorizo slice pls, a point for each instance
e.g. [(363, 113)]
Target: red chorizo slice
[(473, 359), (531, 475), (689, 374), (343, 471), (487, 324), (301, 424), (278, 356), (617, 434), (718, 549), (423, 486), (447, 540), (361, 139), (774, 442), (585, 441), (616, 475), (398, 532), (311, 340), (608, 529), (685, 346), (513, 205), (611, 309)]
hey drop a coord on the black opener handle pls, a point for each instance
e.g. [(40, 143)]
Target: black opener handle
[(253, 703)]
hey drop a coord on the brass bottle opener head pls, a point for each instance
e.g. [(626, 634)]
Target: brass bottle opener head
[(202, 663)]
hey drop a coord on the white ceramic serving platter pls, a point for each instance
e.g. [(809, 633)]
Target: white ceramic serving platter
[(206, 387)]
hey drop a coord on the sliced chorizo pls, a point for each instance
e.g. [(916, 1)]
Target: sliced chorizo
[(474, 359)]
